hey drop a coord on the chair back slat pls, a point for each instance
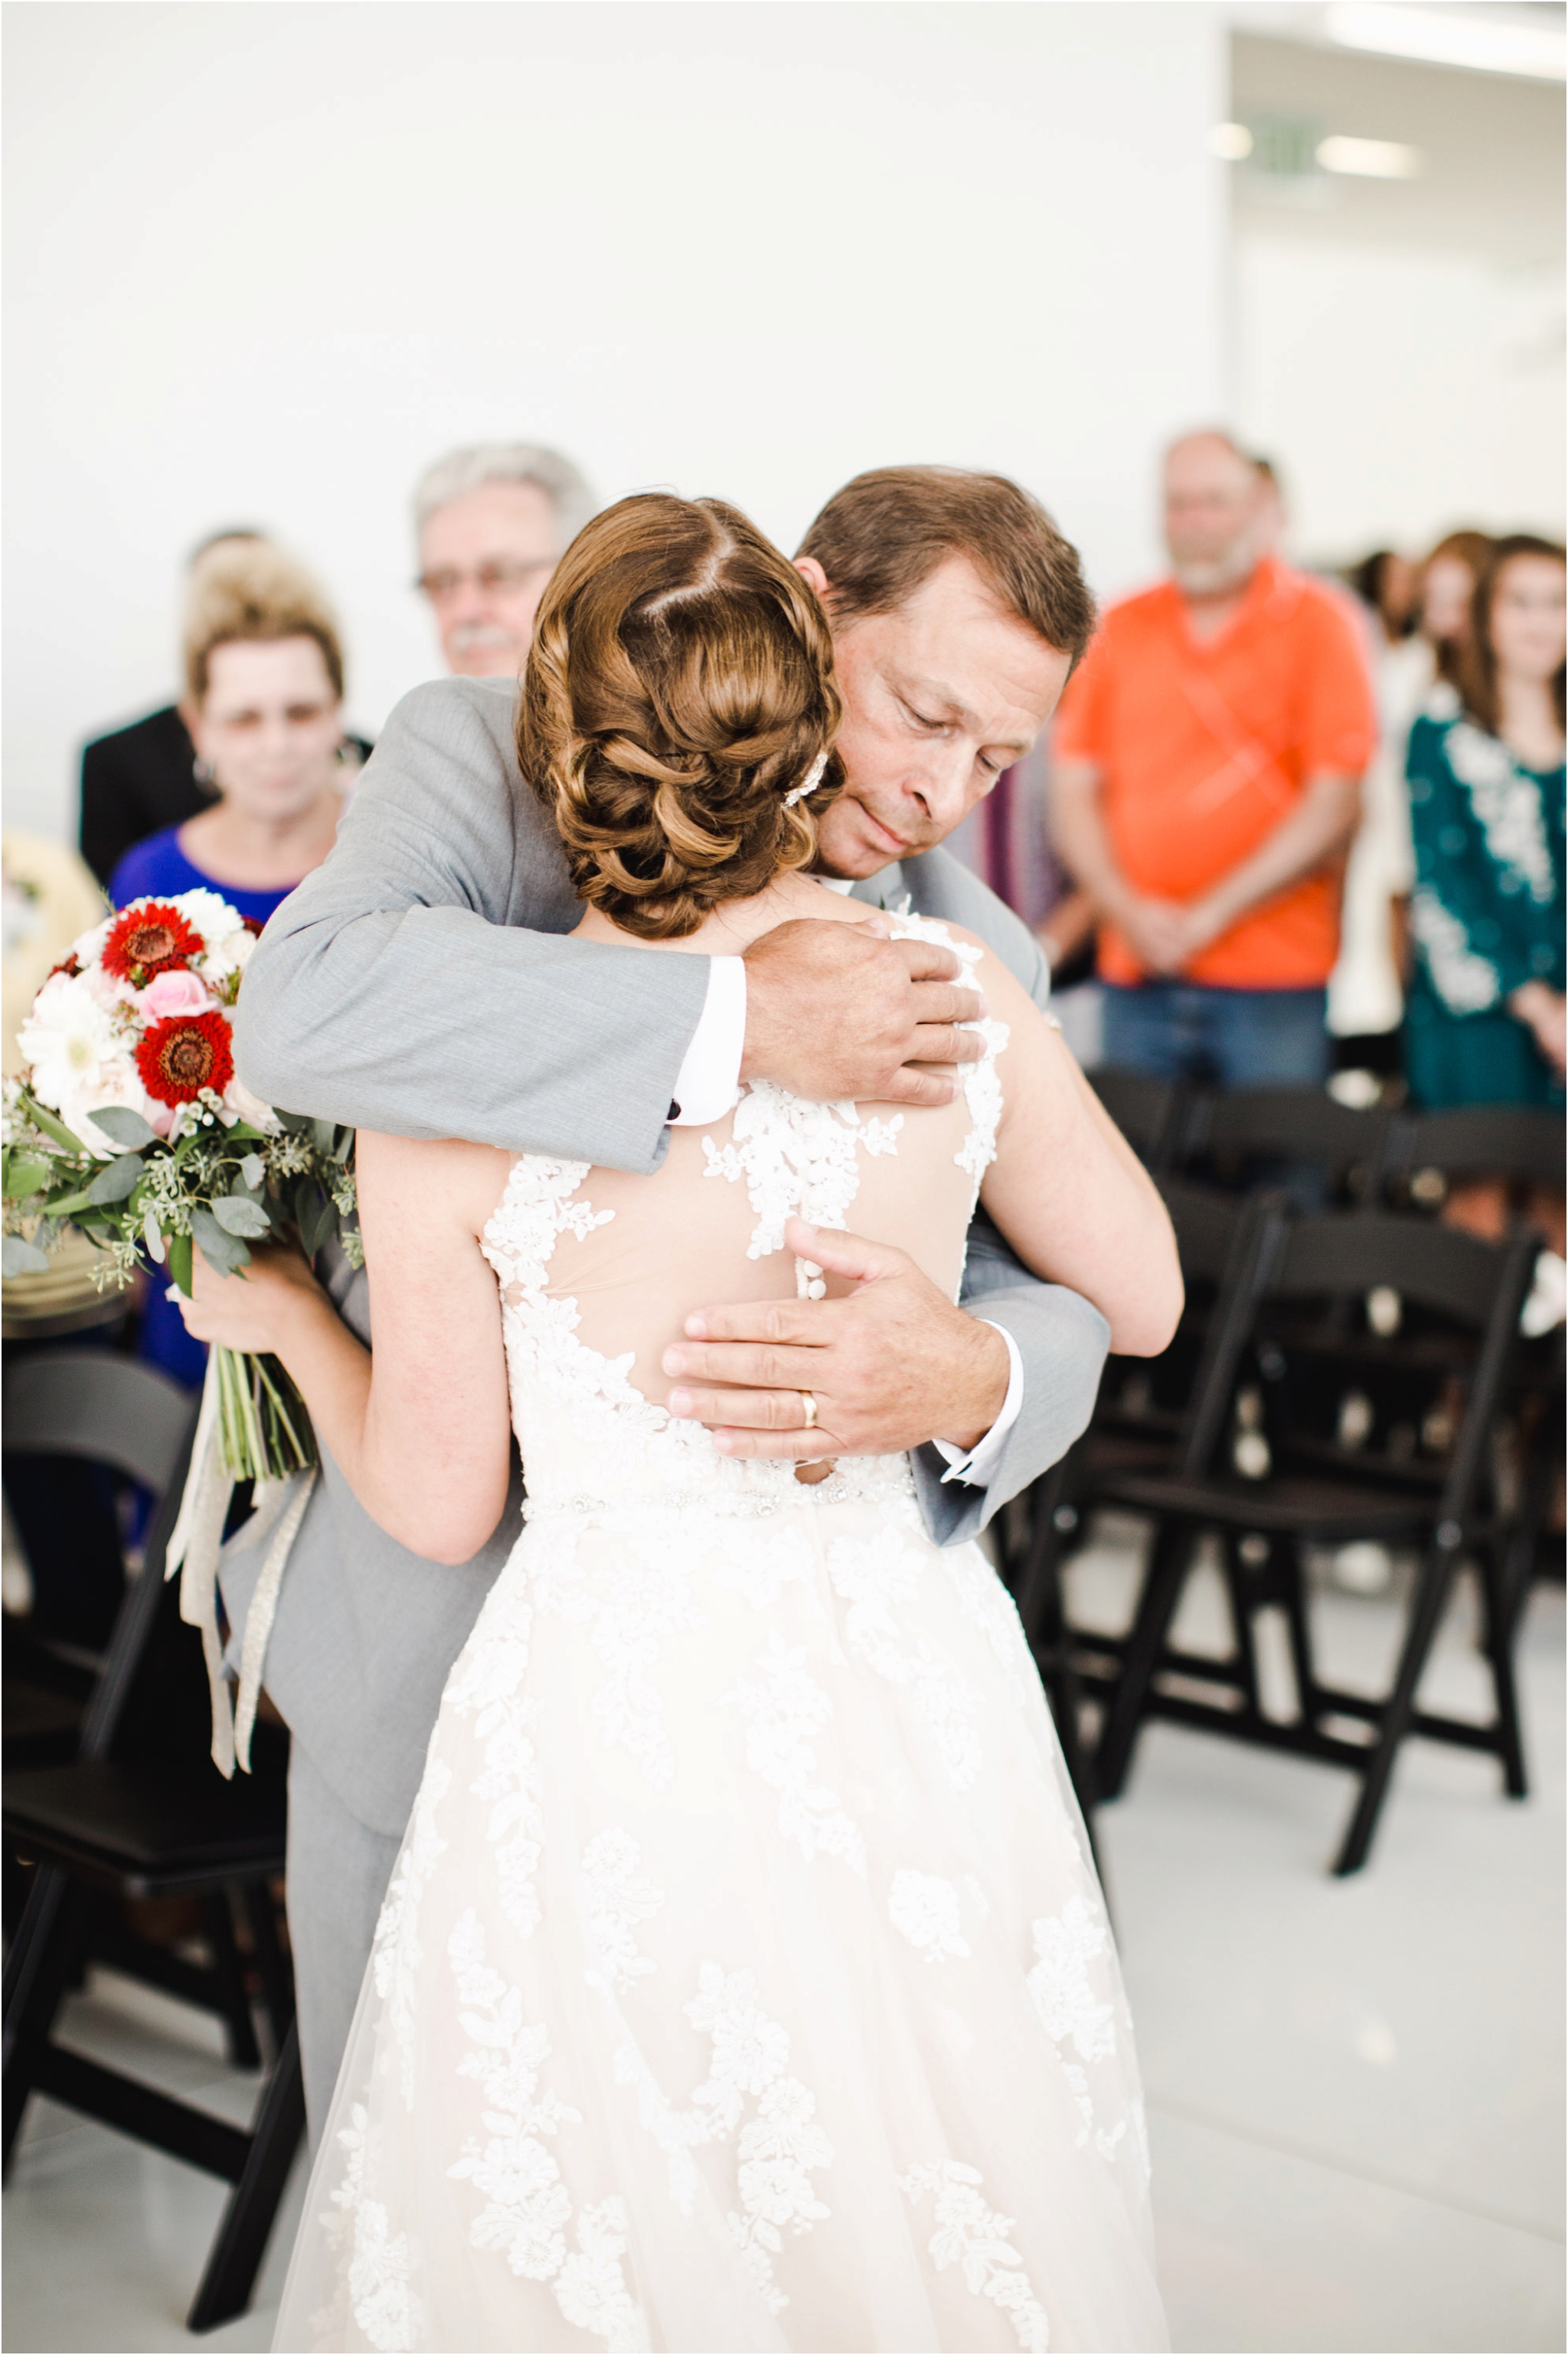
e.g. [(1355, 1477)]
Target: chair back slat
[(99, 1406), (1147, 1111), (1206, 1224), (1482, 1141), (146, 1613), (1440, 1268), (1300, 1124)]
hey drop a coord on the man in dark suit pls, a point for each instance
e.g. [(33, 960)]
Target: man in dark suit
[(133, 783)]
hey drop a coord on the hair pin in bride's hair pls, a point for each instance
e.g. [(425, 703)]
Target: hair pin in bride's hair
[(809, 784)]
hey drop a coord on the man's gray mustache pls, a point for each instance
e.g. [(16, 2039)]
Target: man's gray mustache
[(480, 634)]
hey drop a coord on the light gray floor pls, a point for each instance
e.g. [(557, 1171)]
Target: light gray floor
[(1355, 2088)]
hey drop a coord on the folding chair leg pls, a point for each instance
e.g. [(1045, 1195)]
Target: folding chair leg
[(242, 2237), (1433, 1586), (1169, 1562), (1240, 1605), (229, 1971), (1500, 1619), (277, 1982), (36, 1973), (1038, 1585), (1064, 1695), (1291, 1581)]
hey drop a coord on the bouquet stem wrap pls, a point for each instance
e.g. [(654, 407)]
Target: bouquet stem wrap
[(197, 1542)]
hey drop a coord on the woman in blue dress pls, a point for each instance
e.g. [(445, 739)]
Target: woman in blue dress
[(264, 704)]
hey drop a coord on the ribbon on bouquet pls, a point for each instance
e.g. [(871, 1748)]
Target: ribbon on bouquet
[(194, 1550)]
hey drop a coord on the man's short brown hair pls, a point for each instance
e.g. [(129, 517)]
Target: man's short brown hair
[(882, 536)]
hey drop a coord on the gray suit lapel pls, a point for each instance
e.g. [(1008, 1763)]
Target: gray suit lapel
[(885, 888)]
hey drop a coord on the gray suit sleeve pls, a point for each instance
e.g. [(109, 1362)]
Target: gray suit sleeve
[(1062, 1340), (421, 981)]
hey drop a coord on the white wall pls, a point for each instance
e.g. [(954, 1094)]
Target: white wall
[(1404, 393), (1398, 343), (267, 261)]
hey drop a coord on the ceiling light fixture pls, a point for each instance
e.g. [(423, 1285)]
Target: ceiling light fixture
[(1485, 40), (1369, 159), (1231, 142)]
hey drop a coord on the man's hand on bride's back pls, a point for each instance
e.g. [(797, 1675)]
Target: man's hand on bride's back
[(839, 1011), (889, 1367)]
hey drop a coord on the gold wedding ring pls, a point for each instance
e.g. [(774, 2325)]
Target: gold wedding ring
[(809, 1399)]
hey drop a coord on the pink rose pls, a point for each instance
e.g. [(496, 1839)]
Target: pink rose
[(174, 993)]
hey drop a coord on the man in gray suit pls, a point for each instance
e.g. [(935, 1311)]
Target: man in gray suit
[(421, 981)]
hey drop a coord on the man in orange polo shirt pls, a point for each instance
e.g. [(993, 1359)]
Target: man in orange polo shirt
[(1206, 783)]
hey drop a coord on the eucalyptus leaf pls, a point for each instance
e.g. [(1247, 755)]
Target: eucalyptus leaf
[(325, 1135), (343, 1144), (126, 1128), (179, 1248), (237, 1214), (312, 1216), (23, 1258), (253, 1169), (49, 1124), (120, 1178), (22, 1177), (224, 1254)]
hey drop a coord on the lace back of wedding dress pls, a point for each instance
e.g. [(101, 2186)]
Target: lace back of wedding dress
[(743, 1982)]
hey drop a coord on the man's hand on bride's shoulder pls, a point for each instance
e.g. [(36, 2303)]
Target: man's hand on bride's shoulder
[(836, 1011), (257, 1312), (890, 1367)]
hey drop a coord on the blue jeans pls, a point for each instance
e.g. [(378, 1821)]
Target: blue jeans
[(1228, 1038)]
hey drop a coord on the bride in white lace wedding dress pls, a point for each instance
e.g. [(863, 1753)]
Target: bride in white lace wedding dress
[(743, 1981)]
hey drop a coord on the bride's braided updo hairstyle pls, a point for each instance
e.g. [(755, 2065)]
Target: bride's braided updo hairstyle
[(679, 688)]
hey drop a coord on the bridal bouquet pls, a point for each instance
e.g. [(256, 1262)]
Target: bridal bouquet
[(129, 1123)]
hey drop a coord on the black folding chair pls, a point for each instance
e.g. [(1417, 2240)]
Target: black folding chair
[(1151, 1415), (1283, 1135), (1147, 1111), (1431, 1152), (140, 1813), (1315, 1288)]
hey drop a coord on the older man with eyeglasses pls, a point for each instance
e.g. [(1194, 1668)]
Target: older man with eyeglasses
[(493, 523)]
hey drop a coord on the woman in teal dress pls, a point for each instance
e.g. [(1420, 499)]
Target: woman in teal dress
[(1485, 1010)]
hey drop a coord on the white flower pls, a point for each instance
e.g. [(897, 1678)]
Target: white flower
[(111, 992), (117, 1083), (231, 954), (238, 1098), (69, 1040), (89, 947), (210, 913)]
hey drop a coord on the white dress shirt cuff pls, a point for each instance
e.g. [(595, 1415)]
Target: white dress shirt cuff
[(709, 1078), (977, 1466)]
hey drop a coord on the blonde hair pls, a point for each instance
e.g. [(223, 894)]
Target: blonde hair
[(248, 590), (679, 686)]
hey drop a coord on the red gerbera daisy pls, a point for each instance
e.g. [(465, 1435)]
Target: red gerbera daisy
[(152, 939), (180, 1057)]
